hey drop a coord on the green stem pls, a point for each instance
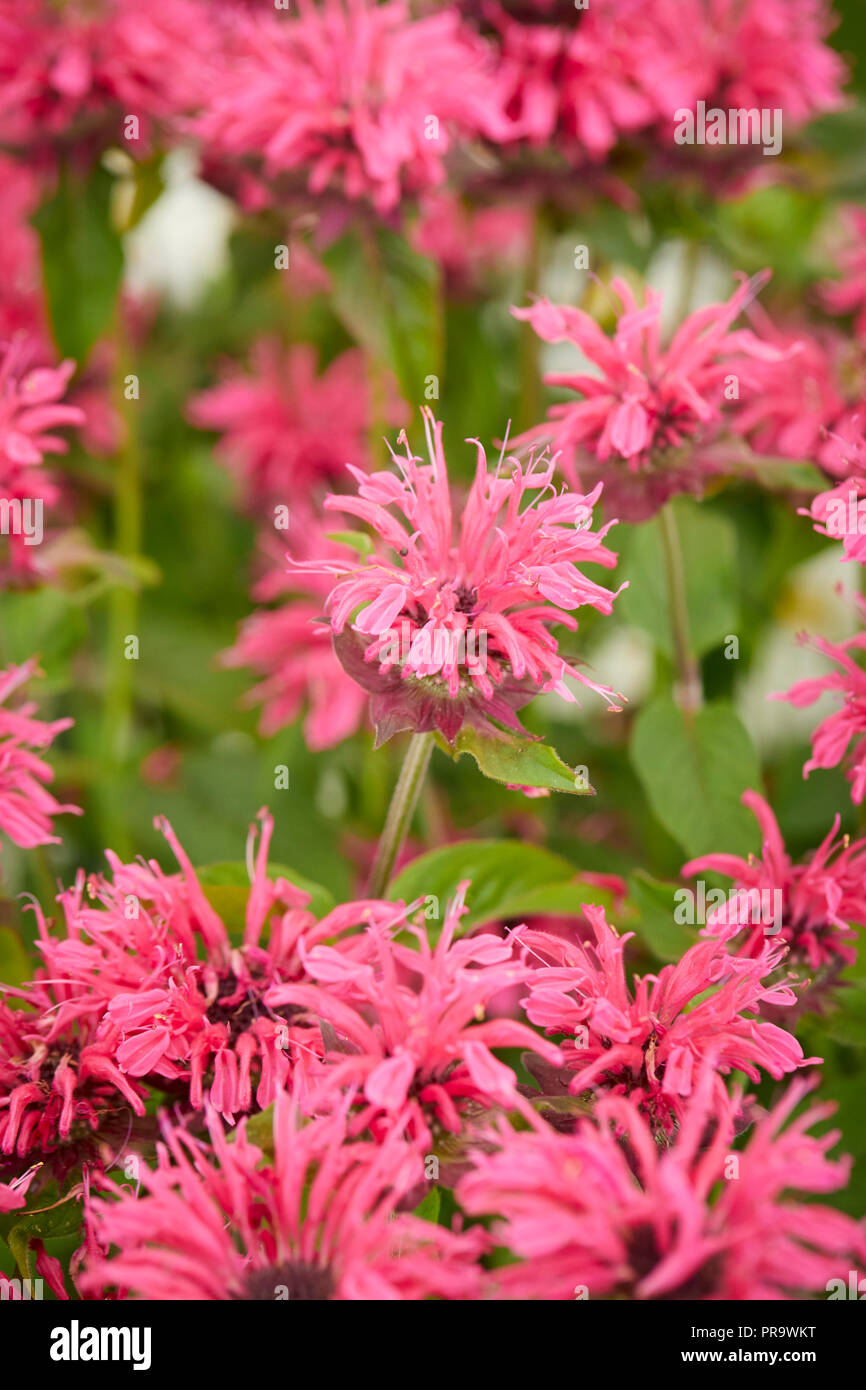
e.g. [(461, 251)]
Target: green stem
[(688, 692), (123, 601), (400, 812), (529, 350)]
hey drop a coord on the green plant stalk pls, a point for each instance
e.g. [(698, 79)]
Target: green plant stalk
[(400, 812), (123, 605), (689, 691)]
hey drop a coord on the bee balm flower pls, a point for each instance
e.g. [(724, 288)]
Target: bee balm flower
[(448, 620)]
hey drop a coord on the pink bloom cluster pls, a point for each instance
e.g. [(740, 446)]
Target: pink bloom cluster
[(819, 901), (410, 1023), (69, 74), (451, 622), (650, 1041), (287, 431), (26, 805), (607, 1212), (839, 737), (645, 420), (377, 97), (322, 1219)]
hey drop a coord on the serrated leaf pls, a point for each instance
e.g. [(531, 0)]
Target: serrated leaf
[(694, 772), (518, 762)]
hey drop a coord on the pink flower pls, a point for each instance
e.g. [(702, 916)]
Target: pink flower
[(30, 410), (583, 82), (607, 1212), (63, 1098), (649, 1041), (378, 98), (450, 623), (188, 1002), (291, 649), (812, 906), (84, 70), (840, 515), (408, 1029), (788, 404), (321, 1219), (765, 54), (286, 430), (643, 422), (26, 806), (847, 295), (834, 735)]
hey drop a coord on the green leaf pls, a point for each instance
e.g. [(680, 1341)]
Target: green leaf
[(507, 879), (428, 1208), (708, 543), (656, 928), (519, 762), (847, 1022), (15, 965), (358, 540), (82, 259), (787, 475), (694, 772), (227, 887)]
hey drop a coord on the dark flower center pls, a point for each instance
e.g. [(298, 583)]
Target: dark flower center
[(644, 1256), (293, 1281)]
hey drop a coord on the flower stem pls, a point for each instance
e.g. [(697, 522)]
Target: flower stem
[(688, 691), (403, 804)]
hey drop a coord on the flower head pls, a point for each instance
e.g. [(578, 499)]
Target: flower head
[(321, 1220), (26, 806), (649, 1042), (811, 906), (604, 1212), (286, 430), (644, 422), (148, 952), (840, 736), (408, 1027), (448, 623), (377, 97)]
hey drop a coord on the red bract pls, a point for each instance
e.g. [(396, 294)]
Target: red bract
[(322, 1220), (818, 901), (450, 621), (377, 97), (411, 1024), (839, 737), (26, 806), (650, 1041), (605, 1212)]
